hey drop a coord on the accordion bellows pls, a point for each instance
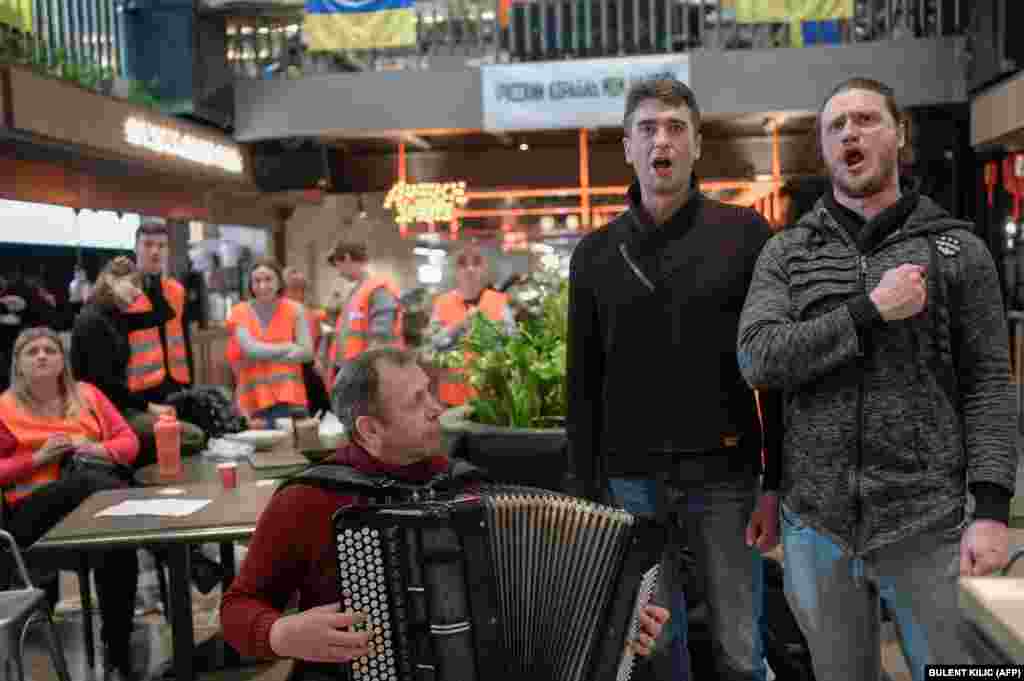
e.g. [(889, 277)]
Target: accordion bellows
[(497, 585)]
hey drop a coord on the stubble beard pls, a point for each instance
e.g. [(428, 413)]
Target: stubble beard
[(865, 185)]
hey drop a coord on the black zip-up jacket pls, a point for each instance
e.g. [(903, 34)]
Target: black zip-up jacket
[(100, 351), (886, 422), (653, 316)]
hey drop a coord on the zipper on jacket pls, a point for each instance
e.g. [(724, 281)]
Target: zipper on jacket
[(633, 266), (858, 508)]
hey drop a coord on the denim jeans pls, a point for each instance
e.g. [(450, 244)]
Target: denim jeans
[(711, 518), (639, 496), (836, 598)]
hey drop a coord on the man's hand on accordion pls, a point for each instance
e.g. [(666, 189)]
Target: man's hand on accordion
[(652, 619), (317, 635)]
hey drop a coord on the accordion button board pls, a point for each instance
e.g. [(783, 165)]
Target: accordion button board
[(504, 584)]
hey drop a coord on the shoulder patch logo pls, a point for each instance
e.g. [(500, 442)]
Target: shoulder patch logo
[(947, 245)]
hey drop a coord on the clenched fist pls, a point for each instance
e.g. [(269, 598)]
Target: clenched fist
[(902, 293)]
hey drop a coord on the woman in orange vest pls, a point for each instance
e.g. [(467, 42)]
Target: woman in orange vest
[(269, 344), (60, 441), (312, 372), (454, 312)]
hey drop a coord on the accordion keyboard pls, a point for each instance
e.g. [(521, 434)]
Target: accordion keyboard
[(496, 586)]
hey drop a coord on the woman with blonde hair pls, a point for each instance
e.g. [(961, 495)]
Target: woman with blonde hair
[(269, 344), (60, 441)]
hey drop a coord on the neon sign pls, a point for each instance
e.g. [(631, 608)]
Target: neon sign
[(429, 202), (164, 140)]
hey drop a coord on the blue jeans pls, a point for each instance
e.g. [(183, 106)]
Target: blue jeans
[(711, 518), (836, 598), (639, 496)]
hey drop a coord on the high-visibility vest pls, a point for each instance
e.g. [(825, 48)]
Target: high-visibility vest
[(147, 366), (263, 384), (352, 330), (450, 309), (315, 319), (31, 433)]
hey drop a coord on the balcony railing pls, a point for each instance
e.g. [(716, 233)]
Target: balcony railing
[(271, 45), (80, 36)]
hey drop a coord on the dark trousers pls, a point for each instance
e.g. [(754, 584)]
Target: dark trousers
[(117, 571), (316, 391)]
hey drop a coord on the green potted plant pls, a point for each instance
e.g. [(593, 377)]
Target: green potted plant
[(514, 425)]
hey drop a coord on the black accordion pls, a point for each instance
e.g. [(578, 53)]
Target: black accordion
[(500, 584)]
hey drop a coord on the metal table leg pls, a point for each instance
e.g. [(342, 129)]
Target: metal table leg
[(182, 637), (227, 563)]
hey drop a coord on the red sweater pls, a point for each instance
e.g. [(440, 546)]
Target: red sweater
[(292, 551), (118, 438)]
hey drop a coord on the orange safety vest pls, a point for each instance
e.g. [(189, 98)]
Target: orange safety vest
[(352, 331), (450, 309), (263, 384), (315, 319), (147, 366), (32, 432)]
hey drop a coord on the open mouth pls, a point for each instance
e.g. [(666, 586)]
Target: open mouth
[(853, 158), (662, 166)]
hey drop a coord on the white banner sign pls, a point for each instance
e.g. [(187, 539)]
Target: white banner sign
[(585, 93)]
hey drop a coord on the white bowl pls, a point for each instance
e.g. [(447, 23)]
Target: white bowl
[(260, 439)]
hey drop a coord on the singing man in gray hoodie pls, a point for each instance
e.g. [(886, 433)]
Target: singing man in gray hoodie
[(881, 318)]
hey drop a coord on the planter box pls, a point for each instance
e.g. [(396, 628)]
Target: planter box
[(537, 457)]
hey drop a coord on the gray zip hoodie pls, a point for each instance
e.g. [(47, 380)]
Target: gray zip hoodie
[(886, 423)]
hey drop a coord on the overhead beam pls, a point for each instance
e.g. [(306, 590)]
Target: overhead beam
[(416, 141)]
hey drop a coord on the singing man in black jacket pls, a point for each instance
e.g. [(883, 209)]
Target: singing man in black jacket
[(659, 415)]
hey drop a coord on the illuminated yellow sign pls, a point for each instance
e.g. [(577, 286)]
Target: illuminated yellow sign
[(164, 140), (425, 201)]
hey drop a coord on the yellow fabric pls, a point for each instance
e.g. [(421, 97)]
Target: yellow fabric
[(17, 13), (360, 30), (783, 11)]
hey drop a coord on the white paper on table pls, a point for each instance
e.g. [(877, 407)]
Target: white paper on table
[(163, 507)]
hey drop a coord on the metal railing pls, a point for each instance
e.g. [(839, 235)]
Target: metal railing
[(79, 35), (271, 45)]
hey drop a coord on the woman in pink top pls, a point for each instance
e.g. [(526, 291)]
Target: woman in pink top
[(60, 441)]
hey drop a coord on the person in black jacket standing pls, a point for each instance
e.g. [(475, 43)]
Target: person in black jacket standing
[(660, 418)]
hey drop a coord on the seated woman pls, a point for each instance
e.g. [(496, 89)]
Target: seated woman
[(60, 441), (269, 344)]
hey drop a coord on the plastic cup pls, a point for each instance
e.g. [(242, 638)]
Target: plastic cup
[(228, 474)]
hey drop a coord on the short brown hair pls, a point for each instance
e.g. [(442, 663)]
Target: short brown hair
[(356, 391), (271, 265), (668, 91), (353, 250), (152, 228), (121, 266)]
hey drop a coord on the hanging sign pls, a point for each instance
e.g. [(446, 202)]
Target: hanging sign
[(429, 202), (581, 93), (172, 142)]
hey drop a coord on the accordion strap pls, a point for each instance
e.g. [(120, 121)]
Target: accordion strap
[(347, 480)]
